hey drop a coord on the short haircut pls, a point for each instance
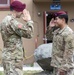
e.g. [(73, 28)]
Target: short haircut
[(65, 16)]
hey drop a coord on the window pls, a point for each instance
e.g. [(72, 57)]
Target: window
[(5, 4)]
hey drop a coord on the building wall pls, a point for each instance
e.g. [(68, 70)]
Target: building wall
[(34, 8)]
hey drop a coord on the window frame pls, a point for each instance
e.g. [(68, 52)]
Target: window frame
[(6, 6)]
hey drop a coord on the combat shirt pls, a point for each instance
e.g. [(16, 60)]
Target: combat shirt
[(63, 48)]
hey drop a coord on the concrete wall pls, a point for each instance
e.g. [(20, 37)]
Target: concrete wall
[(34, 8)]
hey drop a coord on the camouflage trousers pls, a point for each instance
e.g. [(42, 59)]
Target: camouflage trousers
[(13, 67), (69, 72)]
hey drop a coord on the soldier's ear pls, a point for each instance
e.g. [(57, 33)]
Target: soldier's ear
[(63, 19)]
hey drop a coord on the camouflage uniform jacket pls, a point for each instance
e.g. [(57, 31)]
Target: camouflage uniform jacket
[(12, 31), (63, 48)]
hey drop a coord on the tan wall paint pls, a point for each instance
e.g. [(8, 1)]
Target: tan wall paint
[(34, 8)]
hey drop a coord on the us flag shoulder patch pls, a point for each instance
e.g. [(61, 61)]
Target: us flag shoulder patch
[(20, 26)]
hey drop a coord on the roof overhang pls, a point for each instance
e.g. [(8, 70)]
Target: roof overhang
[(42, 1), (52, 1)]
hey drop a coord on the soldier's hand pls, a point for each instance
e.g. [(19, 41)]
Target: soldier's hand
[(52, 23), (61, 72), (26, 15)]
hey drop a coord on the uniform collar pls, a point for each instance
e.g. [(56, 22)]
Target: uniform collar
[(63, 29), (59, 31), (11, 16)]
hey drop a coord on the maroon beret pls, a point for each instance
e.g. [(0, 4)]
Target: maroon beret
[(60, 13), (18, 6)]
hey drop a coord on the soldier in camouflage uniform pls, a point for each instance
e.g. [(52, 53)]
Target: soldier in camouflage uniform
[(63, 46), (12, 31)]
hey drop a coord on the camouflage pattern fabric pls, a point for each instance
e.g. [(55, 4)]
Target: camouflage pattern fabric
[(69, 72), (63, 49), (49, 33), (12, 53), (13, 67)]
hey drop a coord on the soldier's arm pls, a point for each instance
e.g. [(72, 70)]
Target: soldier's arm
[(49, 33), (23, 30), (50, 29)]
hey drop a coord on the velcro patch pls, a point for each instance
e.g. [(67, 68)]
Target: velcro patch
[(19, 26)]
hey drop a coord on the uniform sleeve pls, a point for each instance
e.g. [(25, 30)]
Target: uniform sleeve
[(25, 31), (68, 52), (49, 34)]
